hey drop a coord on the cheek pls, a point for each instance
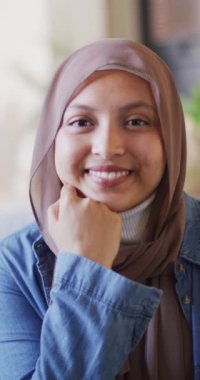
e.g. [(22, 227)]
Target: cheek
[(68, 157), (152, 156), (63, 155), (156, 160)]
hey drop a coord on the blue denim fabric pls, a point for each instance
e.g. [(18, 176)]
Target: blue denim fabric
[(81, 328), (188, 276), (84, 326)]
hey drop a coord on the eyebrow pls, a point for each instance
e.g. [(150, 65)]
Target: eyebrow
[(126, 107), (138, 104)]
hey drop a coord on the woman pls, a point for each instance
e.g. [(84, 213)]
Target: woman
[(106, 284)]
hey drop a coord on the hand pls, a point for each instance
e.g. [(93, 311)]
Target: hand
[(84, 227)]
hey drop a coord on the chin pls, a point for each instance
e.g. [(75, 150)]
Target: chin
[(116, 206), (120, 207)]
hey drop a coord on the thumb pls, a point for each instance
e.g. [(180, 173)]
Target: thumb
[(68, 191), (52, 216)]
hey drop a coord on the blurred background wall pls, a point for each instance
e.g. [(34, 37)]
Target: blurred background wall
[(35, 36)]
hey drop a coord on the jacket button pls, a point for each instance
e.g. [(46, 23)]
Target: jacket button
[(186, 300), (180, 267)]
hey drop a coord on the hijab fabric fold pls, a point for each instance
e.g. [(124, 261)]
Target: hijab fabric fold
[(151, 258)]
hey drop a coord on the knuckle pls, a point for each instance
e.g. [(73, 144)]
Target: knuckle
[(49, 212)]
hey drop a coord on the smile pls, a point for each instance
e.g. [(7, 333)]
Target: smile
[(109, 175)]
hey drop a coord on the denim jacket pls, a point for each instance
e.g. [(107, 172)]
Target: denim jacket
[(82, 324)]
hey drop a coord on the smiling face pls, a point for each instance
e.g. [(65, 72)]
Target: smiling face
[(109, 145)]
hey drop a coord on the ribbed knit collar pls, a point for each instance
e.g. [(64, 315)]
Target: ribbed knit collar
[(135, 220)]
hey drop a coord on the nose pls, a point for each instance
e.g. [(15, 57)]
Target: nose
[(108, 142)]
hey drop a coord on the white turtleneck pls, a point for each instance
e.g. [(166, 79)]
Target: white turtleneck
[(135, 220)]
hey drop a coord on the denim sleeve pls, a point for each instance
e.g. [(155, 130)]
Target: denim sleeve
[(95, 319)]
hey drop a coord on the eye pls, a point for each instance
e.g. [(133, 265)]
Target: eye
[(137, 122), (80, 123)]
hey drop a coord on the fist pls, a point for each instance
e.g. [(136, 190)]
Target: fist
[(84, 227)]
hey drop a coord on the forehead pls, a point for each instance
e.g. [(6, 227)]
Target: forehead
[(121, 84)]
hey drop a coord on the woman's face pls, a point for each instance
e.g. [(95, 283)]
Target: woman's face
[(109, 145)]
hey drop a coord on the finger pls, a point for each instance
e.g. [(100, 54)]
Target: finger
[(68, 199), (68, 192), (53, 210), (52, 215)]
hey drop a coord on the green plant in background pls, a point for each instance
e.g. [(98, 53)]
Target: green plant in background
[(191, 105)]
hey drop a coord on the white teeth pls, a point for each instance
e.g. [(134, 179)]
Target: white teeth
[(108, 175)]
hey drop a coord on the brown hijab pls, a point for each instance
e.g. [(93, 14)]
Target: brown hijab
[(148, 260)]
